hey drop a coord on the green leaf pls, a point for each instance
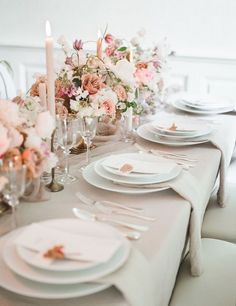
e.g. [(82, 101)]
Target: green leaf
[(122, 49)]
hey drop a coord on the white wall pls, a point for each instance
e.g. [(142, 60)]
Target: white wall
[(194, 27), (202, 32)]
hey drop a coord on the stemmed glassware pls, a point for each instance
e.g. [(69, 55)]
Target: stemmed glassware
[(15, 185), (87, 127), (66, 135)]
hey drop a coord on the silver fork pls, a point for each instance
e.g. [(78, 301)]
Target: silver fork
[(89, 201)]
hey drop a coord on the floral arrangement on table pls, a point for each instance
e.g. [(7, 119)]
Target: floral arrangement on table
[(24, 129), (88, 85), (150, 67)]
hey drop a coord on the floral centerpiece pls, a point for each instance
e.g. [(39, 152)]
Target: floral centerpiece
[(24, 128), (150, 68), (88, 85)]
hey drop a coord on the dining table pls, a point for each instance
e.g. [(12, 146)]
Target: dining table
[(160, 250)]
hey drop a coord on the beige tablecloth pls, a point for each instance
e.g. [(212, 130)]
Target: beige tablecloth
[(162, 246)]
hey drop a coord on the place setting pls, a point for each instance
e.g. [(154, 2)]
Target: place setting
[(61, 258), (131, 173), (176, 131), (202, 105)]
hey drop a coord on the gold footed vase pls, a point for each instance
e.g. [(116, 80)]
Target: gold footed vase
[(81, 147)]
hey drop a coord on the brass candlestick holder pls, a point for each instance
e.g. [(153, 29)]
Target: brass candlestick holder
[(54, 186)]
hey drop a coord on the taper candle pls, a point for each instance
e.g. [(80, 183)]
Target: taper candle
[(50, 70)]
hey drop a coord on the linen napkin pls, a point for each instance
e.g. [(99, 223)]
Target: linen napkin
[(220, 140), (134, 280), (40, 238)]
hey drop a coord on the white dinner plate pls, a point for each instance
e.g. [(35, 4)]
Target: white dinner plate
[(162, 177), (179, 104), (206, 102), (96, 180), (22, 286), (145, 133), (189, 127), (175, 136), (74, 226), (19, 266)]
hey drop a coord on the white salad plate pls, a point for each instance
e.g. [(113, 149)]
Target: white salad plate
[(179, 104), (91, 177), (145, 133), (168, 169), (185, 127), (25, 269)]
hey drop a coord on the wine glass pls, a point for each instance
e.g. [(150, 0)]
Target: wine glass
[(15, 185), (66, 138), (127, 125), (87, 128)]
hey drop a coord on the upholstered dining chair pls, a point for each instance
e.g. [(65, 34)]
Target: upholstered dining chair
[(216, 286), (7, 86), (220, 223)]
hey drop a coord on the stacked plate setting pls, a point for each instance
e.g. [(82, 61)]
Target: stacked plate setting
[(206, 105), (147, 174), (176, 131), (27, 272)]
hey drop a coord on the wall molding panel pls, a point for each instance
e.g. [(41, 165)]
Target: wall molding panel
[(190, 73)]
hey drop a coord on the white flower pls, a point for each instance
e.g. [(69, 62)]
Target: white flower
[(80, 94), (124, 70), (32, 139), (105, 94), (3, 182), (75, 105), (44, 124)]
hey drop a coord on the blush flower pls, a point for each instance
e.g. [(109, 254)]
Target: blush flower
[(109, 107), (92, 83), (33, 160), (121, 92), (109, 38)]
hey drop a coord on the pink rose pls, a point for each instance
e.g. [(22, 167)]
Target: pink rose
[(4, 140), (121, 93), (109, 38), (144, 76), (109, 51), (109, 107)]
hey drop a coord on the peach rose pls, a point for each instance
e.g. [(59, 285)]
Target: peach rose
[(141, 65), (92, 83), (109, 107), (33, 160), (121, 93)]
